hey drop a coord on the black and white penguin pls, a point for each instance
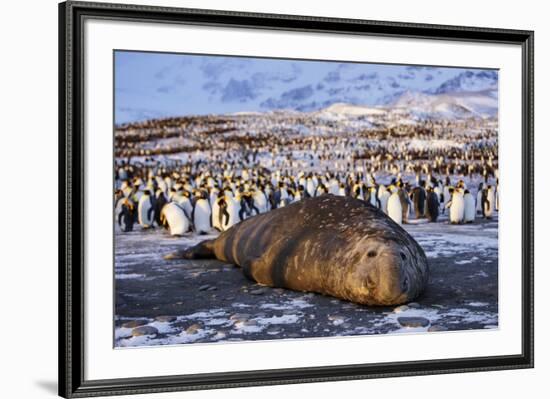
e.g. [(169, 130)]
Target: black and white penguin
[(260, 200), (479, 200), (233, 209), (219, 207), (160, 201), (372, 197), (126, 218), (173, 217), (456, 211), (469, 207), (405, 202), (486, 204), (201, 214), (419, 201), (395, 211), (383, 197), (432, 205), (491, 197), (146, 210)]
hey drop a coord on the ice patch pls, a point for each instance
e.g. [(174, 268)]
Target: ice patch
[(123, 332), (478, 304), (466, 261), (287, 305), (284, 319), (128, 276), (163, 327)]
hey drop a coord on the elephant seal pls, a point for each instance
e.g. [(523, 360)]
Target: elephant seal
[(332, 245)]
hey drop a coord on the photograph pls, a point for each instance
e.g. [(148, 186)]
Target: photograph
[(281, 199)]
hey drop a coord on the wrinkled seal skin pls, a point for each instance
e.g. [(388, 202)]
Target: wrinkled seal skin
[(338, 246)]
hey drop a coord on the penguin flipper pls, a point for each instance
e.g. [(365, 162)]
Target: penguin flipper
[(150, 214), (120, 215)]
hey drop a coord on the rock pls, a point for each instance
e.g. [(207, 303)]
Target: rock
[(135, 323), (274, 330), (401, 308), (413, 321), (437, 328), (193, 329), (204, 287), (166, 319), (239, 316), (294, 335), (212, 288), (336, 319), (346, 325), (258, 291), (413, 305), (144, 330)]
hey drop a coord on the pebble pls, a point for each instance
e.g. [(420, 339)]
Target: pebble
[(204, 287), (401, 308), (414, 305), (134, 323), (239, 316), (259, 291), (294, 335), (413, 321), (166, 319), (212, 288), (336, 319), (193, 329), (144, 330), (437, 328), (274, 330)]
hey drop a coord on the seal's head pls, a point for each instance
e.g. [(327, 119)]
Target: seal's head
[(385, 272)]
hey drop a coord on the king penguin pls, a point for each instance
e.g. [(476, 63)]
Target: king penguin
[(173, 217), (201, 214), (469, 207), (456, 207), (146, 210), (432, 205), (383, 196), (395, 210)]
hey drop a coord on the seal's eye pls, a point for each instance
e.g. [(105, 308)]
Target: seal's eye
[(403, 256), (371, 254)]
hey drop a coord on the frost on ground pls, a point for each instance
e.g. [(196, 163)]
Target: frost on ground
[(162, 302)]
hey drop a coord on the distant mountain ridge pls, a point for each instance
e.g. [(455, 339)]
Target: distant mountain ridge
[(198, 85)]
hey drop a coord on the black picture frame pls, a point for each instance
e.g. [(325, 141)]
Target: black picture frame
[(71, 199)]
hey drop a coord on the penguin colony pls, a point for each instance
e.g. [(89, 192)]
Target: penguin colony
[(208, 173)]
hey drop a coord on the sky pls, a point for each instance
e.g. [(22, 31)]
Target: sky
[(157, 85)]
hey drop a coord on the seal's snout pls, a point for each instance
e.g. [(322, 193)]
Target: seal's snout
[(393, 284)]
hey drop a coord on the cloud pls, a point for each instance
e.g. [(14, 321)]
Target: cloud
[(166, 89), (332, 76), (238, 90)]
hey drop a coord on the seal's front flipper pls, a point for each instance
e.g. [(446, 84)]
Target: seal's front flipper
[(258, 270), (203, 250), (249, 266)]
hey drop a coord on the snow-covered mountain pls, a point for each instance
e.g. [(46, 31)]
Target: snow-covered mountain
[(470, 81), (159, 85), (454, 105)]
